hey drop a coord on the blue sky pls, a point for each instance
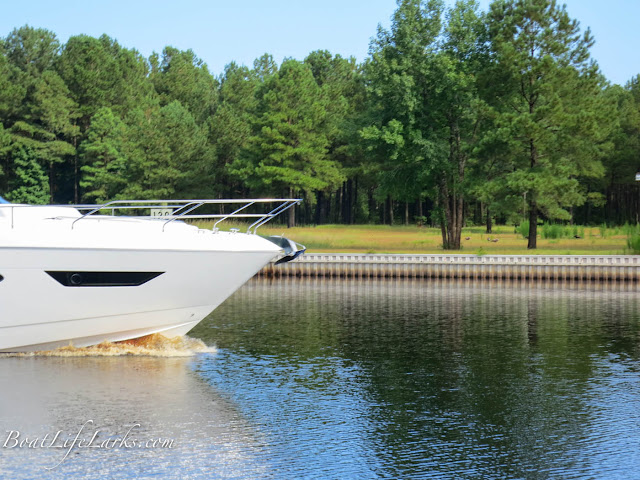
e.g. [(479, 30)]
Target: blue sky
[(222, 31)]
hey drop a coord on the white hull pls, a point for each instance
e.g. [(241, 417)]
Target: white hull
[(195, 271), (36, 312)]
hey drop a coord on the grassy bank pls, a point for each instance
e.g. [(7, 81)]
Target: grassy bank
[(412, 239)]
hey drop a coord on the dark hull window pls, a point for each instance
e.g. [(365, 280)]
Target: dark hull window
[(1, 278), (103, 279)]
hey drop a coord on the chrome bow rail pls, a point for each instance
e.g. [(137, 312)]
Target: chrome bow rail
[(172, 210)]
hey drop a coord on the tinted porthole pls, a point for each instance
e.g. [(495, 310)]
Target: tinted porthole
[(103, 279)]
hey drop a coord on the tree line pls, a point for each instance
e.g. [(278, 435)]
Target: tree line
[(458, 116)]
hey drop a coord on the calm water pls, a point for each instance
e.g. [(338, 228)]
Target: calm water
[(344, 379)]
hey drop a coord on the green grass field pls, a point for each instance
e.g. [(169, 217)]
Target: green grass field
[(412, 239)]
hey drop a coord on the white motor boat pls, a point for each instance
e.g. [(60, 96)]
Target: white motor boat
[(87, 274)]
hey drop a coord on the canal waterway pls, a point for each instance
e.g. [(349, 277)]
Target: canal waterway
[(327, 379)]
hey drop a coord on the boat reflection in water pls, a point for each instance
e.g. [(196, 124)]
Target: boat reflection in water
[(128, 400)]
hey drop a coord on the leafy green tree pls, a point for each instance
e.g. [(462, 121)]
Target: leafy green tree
[(5, 148), (618, 188), (182, 76), (264, 67), (423, 80), (32, 50), (101, 73), (461, 112), (489, 167), (342, 83), (103, 157), (189, 150), (627, 139), (53, 107), (29, 182), (167, 154), (402, 134), (12, 93), (231, 125), (55, 113), (150, 171), (288, 149), (44, 145), (42, 121), (548, 92)]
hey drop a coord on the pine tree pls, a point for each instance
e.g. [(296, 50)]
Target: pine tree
[(549, 95), (167, 154), (99, 72), (230, 126), (29, 183), (182, 76), (287, 152), (342, 83), (103, 157)]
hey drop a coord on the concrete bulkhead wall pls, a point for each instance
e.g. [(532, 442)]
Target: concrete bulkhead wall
[(520, 267)]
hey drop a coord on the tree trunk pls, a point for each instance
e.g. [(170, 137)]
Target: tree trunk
[(346, 204), (533, 224), (443, 222), (533, 206), (306, 208), (339, 206), (372, 205), (76, 180), (319, 207), (406, 213), (571, 216), (292, 212), (76, 198), (354, 203), (478, 209), (459, 221), (453, 201), (451, 217), (391, 219), (489, 221), (51, 183), (454, 215)]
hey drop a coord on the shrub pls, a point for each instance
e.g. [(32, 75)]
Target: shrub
[(523, 229), (603, 230), (554, 231), (420, 220), (633, 239), (633, 242)]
